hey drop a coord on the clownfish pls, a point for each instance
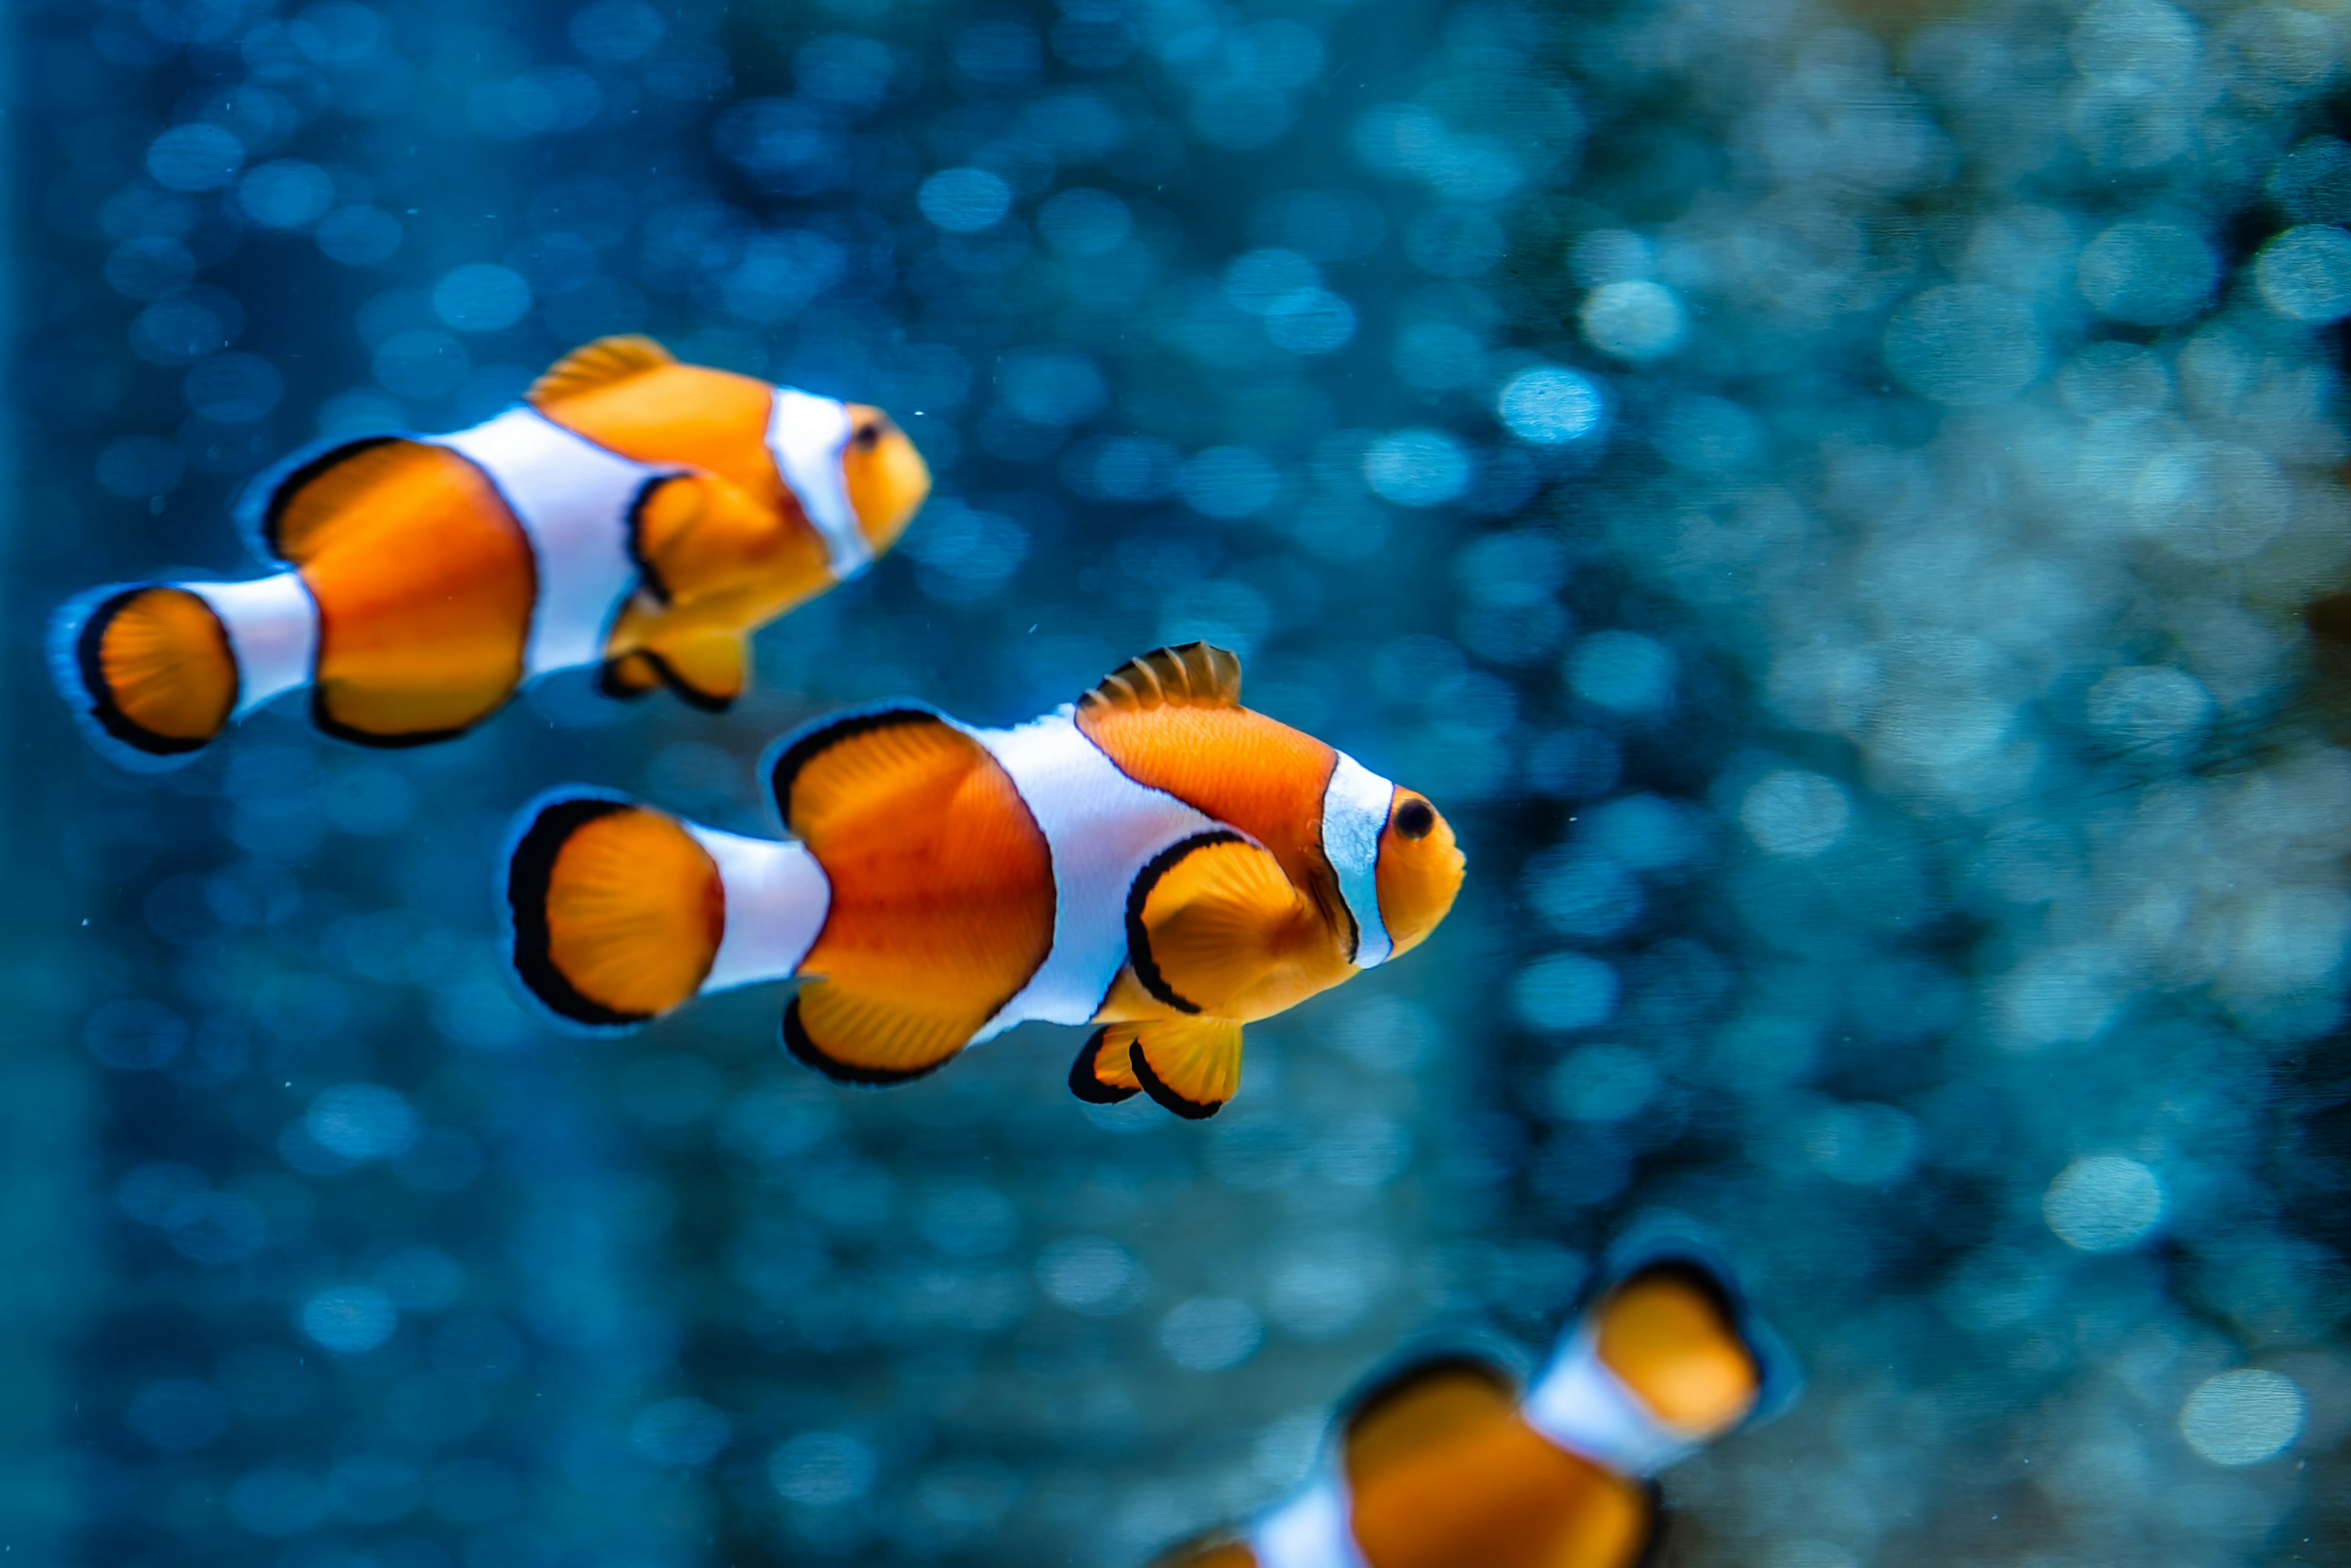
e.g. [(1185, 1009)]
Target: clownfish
[(1156, 859), (632, 513), (1448, 1464)]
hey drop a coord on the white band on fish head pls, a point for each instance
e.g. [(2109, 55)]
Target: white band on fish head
[(1585, 1408), (1354, 811), (807, 434)]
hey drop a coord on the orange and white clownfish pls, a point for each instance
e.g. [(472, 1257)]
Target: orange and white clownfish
[(1448, 1464), (1158, 859), (633, 513)]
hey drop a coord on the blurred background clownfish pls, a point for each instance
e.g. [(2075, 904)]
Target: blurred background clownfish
[(1156, 859), (1446, 1464), (635, 513)]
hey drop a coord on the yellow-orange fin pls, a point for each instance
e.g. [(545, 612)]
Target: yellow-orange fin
[(617, 910), (852, 1037), (1421, 1406), (1190, 1065), (1195, 674), (839, 769), (598, 364), (1210, 919), (1103, 1075), (629, 678), (150, 668), (708, 669), (1672, 1335), (311, 504)]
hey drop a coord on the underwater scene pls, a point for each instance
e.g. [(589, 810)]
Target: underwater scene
[(1299, 783)]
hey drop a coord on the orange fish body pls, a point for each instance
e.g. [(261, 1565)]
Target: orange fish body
[(1447, 1465), (635, 513), (1156, 859)]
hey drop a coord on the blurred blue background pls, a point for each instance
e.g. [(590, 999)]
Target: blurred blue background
[(1822, 497)]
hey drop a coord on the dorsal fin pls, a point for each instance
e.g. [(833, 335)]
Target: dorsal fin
[(1197, 674), (598, 364)]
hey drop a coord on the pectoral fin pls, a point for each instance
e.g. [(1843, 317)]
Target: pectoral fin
[(1190, 1065), (1209, 922), (695, 534)]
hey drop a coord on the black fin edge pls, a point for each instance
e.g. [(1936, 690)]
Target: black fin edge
[(606, 686), (1156, 1087), (328, 724), (648, 579), (827, 733), (285, 487), (1669, 1243), (1393, 1384), (1094, 694), (1082, 1081), (805, 1051), (529, 870), (1653, 1544), (1138, 940), (687, 691), (103, 710)]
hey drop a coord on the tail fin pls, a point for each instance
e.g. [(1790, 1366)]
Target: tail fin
[(148, 669), (156, 671), (616, 909), (1666, 1359)]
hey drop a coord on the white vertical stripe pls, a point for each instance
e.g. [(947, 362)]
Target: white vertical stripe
[(1309, 1531), (273, 630), (1354, 811), (1102, 829), (776, 899), (1587, 1409), (573, 499), (807, 436)]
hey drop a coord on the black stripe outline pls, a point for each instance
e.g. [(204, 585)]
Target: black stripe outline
[(1156, 1087), (1082, 1081), (290, 484), (608, 685), (685, 692), (1138, 939), (786, 768), (647, 577), (90, 664), (530, 870), (805, 1050)]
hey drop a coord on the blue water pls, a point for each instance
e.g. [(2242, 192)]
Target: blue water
[(1824, 499)]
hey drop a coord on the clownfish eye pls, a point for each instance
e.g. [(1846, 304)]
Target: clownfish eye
[(1414, 819), (869, 436)]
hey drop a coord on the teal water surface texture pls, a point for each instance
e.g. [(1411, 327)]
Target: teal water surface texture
[(1838, 504)]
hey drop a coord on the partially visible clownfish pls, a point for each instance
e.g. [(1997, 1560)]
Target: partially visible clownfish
[(1448, 1464), (634, 513), (1158, 859)]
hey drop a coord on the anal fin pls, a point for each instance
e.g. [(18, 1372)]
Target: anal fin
[(1190, 1065), (1103, 1074), (858, 1037), (629, 678), (708, 669)]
